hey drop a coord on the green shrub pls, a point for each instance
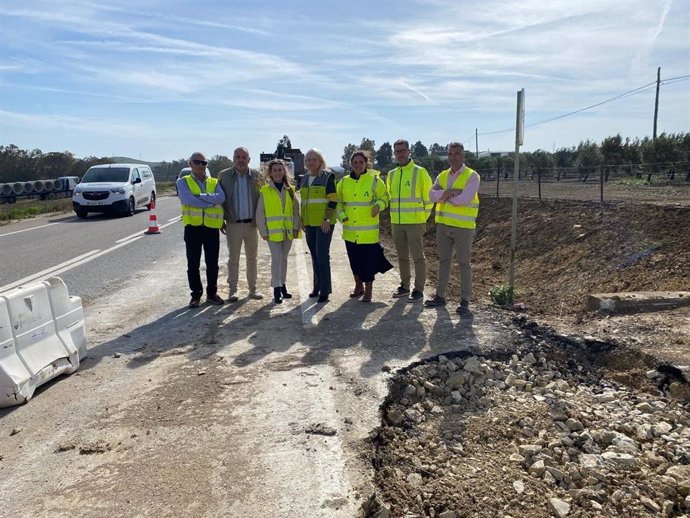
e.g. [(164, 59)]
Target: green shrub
[(502, 294)]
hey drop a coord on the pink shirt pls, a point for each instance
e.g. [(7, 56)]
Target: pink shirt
[(467, 194)]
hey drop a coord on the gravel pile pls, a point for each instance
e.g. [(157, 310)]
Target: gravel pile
[(527, 437)]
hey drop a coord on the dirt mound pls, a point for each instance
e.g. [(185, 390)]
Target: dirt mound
[(589, 418), (567, 249)]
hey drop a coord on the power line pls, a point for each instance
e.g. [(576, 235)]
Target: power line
[(678, 77), (615, 98), (626, 94)]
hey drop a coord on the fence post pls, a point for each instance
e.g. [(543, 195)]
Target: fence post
[(539, 182), (498, 180), (601, 183)]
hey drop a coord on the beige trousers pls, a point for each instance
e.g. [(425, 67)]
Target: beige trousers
[(280, 250), (409, 242), (459, 240), (236, 234)]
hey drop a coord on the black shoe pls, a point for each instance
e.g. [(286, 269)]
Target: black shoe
[(415, 296), (195, 302), (323, 298), (277, 296), (313, 294), (463, 308), (284, 292), (215, 299), (435, 302), (401, 292)]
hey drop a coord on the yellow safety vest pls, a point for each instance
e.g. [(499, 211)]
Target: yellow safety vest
[(278, 216), (315, 200), (456, 215), (211, 217), (356, 198), (408, 188)]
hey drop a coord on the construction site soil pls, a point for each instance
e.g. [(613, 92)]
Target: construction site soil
[(583, 414)]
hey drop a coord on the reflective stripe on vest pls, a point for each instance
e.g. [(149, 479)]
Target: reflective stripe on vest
[(315, 200), (361, 227), (406, 206), (278, 216), (454, 215), (211, 217)]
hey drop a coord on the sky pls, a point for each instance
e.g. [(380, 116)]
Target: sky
[(160, 79)]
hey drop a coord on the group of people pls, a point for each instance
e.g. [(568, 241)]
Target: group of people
[(244, 206)]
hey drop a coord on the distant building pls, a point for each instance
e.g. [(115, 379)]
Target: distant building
[(495, 154)]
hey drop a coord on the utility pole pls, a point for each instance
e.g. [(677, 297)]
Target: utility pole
[(476, 142), (656, 102), (656, 115), (519, 139)]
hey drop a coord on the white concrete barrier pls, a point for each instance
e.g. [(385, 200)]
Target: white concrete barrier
[(41, 336)]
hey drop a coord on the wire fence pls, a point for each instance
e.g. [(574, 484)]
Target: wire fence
[(666, 183)]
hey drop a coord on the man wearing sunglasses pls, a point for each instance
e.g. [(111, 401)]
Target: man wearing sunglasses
[(241, 186), (202, 214)]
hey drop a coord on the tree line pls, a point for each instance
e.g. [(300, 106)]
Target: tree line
[(20, 165), (668, 154)]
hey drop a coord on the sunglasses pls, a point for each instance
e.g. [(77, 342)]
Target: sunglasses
[(200, 162)]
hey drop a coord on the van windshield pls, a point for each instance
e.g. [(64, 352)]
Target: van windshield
[(110, 174)]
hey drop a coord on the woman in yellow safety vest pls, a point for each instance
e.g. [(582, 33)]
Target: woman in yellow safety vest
[(318, 196), (278, 221), (361, 196)]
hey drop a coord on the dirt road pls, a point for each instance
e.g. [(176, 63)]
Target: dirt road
[(253, 409), (249, 409)]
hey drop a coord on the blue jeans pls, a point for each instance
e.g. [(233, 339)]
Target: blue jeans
[(320, 248)]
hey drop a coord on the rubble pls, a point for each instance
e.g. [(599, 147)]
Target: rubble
[(529, 436)]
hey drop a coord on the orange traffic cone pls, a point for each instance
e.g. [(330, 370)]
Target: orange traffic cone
[(153, 220)]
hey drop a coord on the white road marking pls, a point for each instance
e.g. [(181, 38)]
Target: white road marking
[(137, 234), (77, 261), (48, 271), (27, 229), (308, 310)]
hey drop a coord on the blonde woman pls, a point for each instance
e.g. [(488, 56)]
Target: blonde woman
[(319, 199), (278, 221)]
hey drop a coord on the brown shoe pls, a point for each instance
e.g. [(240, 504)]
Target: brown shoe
[(194, 302), (359, 288), (367, 291)]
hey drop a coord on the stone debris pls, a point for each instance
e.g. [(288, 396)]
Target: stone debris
[(94, 447), (319, 429), (569, 445)]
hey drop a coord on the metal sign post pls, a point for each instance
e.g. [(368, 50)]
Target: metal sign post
[(519, 139)]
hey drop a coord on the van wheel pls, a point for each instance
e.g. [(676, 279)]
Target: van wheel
[(153, 199), (131, 207), (81, 213)]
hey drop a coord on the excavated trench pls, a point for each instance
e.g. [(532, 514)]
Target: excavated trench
[(556, 426)]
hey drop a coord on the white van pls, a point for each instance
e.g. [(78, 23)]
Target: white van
[(186, 172), (114, 188)]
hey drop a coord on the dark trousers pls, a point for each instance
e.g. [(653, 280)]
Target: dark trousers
[(197, 239), (320, 248)]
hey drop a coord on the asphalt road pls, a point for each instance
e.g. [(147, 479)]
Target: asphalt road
[(90, 254)]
